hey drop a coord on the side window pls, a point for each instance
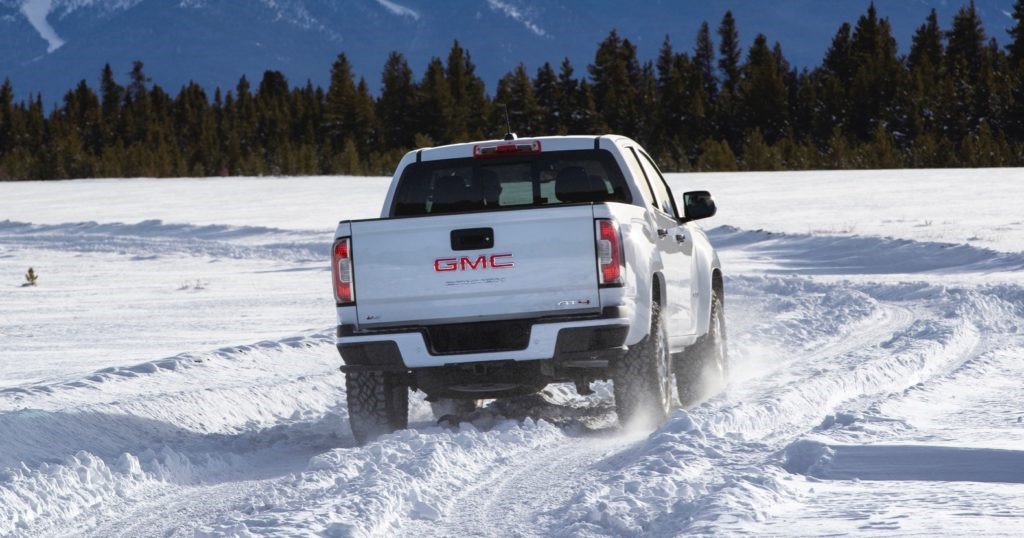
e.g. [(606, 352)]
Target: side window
[(661, 189), (643, 183)]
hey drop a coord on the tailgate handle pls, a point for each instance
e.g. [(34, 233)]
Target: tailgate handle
[(472, 239)]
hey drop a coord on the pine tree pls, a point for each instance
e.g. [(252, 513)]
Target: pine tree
[(966, 39), (880, 153), (703, 60), (578, 108), (272, 120), (1014, 74), (965, 101), (670, 104), (469, 102), (757, 155), (838, 58), (458, 81), (1016, 46), (244, 125), (549, 96), (876, 73), (703, 98), (364, 119), (729, 53), (588, 118), (515, 90), (340, 105), (762, 96), (838, 156), (82, 109), (6, 119), (396, 107), (926, 45), (138, 85), (348, 161), (684, 112), (435, 106), (617, 77), (141, 126), (717, 156), (725, 119)]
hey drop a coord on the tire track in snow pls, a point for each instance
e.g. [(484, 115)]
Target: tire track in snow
[(519, 492), (974, 337), (177, 511), (530, 495), (218, 422), (736, 436)]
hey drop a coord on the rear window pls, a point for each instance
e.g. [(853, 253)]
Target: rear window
[(540, 179)]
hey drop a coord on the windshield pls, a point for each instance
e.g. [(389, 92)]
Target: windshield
[(540, 179)]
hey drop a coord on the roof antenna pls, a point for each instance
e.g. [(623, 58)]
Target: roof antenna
[(509, 135)]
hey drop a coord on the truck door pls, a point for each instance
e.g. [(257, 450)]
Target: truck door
[(676, 246)]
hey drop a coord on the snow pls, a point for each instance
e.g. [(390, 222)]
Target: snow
[(980, 207), (398, 9), (518, 15), (174, 373), (36, 11)]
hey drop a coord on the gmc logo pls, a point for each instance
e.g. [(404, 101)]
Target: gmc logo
[(496, 261)]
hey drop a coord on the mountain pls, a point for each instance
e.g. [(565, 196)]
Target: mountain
[(47, 46)]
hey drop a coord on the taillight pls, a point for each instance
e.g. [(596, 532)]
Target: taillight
[(506, 148), (341, 269), (610, 261)]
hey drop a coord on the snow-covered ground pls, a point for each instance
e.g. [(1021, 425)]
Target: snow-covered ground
[(174, 373)]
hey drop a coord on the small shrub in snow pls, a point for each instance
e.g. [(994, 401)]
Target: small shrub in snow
[(30, 278)]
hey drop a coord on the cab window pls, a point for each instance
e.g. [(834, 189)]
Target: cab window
[(642, 183), (661, 188), (474, 184)]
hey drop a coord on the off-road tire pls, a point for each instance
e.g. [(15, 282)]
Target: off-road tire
[(378, 403), (703, 368), (642, 378)]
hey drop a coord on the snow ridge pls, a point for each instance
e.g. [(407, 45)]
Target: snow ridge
[(154, 238), (841, 254)]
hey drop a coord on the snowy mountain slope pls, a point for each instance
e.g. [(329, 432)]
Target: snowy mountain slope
[(875, 383), (49, 45)]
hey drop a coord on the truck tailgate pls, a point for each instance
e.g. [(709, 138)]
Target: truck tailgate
[(475, 266)]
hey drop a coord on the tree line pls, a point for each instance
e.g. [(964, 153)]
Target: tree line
[(955, 99)]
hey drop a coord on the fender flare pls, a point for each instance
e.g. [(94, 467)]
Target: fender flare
[(646, 270), (706, 262)]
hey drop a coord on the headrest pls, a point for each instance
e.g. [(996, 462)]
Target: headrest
[(450, 189), (572, 184)]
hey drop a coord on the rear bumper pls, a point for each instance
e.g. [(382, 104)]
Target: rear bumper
[(584, 342)]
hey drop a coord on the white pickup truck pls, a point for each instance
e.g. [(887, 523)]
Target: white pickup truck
[(499, 267)]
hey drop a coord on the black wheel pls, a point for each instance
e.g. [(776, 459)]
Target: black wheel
[(642, 378), (702, 370), (378, 403), (443, 407)]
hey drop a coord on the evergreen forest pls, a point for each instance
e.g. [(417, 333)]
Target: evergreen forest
[(954, 99)]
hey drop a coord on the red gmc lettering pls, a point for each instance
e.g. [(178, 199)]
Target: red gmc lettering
[(501, 265), (496, 261), (480, 263), (445, 264)]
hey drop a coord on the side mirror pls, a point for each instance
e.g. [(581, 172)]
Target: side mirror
[(698, 205)]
